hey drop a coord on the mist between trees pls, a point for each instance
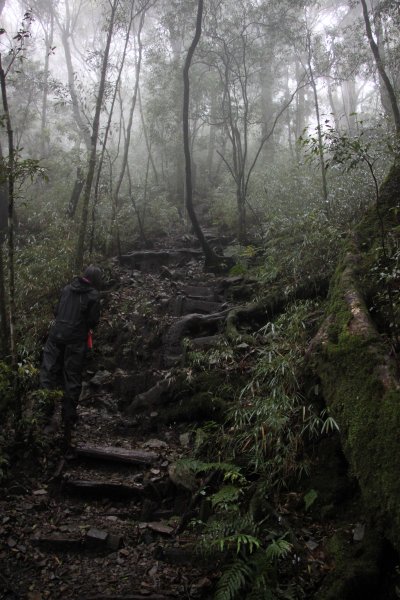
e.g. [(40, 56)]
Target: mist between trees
[(92, 130)]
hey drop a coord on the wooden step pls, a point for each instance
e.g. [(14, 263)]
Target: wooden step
[(117, 455), (100, 489)]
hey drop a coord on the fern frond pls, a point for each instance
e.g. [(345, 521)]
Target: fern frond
[(226, 496), (278, 549), (232, 581)]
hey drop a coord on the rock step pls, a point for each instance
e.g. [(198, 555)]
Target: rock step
[(98, 488), (94, 539), (200, 292), (181, 305), (151, 261)]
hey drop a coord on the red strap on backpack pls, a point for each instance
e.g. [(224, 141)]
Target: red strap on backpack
[(90, 339)]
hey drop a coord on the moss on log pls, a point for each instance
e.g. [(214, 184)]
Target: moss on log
[(360, 384)]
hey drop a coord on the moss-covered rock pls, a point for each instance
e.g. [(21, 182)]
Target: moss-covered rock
[(359, 375)]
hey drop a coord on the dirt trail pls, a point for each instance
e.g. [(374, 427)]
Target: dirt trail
[(103, 522)]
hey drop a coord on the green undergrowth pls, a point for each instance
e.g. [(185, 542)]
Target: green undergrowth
[(264, 446), (24, 410)]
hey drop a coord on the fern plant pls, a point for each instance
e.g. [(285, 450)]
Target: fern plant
[(253, 576)]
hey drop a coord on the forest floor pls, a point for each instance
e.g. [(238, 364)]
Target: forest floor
[(108, 521)]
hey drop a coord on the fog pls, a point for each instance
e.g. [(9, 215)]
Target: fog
[(264, 76)]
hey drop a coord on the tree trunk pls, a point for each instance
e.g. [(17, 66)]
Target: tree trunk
[(210, 257), (92, 156), (128, 133), (10, 174), (381, 68), (44, 136), (81, 125), (4, 331), (107, 131), (146, 139), (319, 132), (76, 193)]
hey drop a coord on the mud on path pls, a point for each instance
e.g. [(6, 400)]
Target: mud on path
[(106, 520)]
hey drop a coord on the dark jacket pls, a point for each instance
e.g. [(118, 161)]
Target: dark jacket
[(77, 311)]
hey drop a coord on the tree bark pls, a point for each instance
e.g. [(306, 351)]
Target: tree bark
[(11, 243), (65, 35), (319, 132), (381, 68), (108, 127), (92, 156), (44, 137), (116, 203), (210, 257), (4, 332)]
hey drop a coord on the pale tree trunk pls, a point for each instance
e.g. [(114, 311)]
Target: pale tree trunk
[(92, 156), (349, 97), (333, 104), (210, 256)]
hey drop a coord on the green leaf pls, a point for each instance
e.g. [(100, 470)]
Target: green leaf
[(310, 498)]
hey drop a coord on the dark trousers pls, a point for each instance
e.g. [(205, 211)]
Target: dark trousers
[(65, 362)]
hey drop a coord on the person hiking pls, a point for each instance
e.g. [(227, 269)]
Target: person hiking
[(76, 314)]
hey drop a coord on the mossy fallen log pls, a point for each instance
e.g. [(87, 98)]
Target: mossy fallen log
[(360, 385)]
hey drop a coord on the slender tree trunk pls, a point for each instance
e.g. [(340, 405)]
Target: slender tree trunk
[(132, 197), (4, 333), (381, 68), (11, 264), (146, 139), (44, 137), (212, 138), (128, 131), (92, 156), (76, 193), (333, 105), (319, 131), (210, 256), (300, 111), (107, 131)]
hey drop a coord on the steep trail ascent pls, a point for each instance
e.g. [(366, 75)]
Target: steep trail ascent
[(108, 520)]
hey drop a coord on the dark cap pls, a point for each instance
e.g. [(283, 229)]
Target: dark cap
[(93, 274)]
